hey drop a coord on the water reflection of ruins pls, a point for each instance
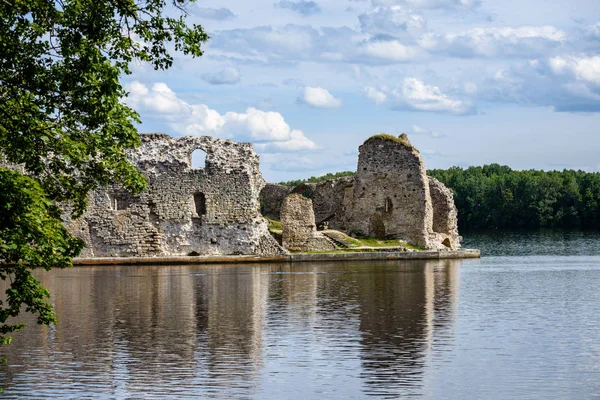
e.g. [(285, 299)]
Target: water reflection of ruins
[(230, 331)]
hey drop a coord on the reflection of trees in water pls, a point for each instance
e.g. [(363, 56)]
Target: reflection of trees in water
[(400, 313), (400, 309)]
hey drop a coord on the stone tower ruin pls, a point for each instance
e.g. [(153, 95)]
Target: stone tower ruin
[(391, 192), (390, 196)]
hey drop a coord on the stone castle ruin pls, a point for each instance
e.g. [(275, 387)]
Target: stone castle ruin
[(216, 210), (389, 197), (186, 211)]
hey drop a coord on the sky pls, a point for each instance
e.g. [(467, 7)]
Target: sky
[(472, 82)]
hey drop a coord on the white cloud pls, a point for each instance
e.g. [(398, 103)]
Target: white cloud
[(227, 75), (391, 51), (315, 164), (495, 42), (417, 130), (470, 87), (567, 83), (376, 96), (267, 129), (431, 4), (395, 21), (593, 31), (218, 14), (389, 34), (319, 98), (582, 68), (416, 95), (160, 99), (413, 94), (302, 7), (291, 44)]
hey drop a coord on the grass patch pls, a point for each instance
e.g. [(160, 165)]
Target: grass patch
[(375, 242), (336, 251), (274, 225)]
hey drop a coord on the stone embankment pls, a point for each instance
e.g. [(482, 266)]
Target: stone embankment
[(297, 257)]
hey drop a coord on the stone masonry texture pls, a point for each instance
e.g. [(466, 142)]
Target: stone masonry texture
[(186, 211), (298, 223), (271, 199), (391, 193), (390, 197)]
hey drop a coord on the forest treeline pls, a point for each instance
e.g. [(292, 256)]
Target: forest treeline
[(496, 196)]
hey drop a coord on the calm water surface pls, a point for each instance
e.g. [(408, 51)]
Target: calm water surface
[(521, 323)]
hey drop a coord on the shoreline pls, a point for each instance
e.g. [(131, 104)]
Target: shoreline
[(296, 257)]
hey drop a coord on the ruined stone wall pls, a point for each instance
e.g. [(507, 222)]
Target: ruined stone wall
[(445, 215), (329, 198), (271, 199), (209, 211), (298, 223), (391, 193), (390, 196)]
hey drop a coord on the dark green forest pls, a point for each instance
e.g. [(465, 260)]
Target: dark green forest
[(496, 196)]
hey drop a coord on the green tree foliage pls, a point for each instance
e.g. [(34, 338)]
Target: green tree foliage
[(495, 196), (63, 119)]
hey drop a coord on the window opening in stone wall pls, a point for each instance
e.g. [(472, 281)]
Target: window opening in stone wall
[(112, 202), (389, 206), (119, 200), (198, 159), (200, 203)]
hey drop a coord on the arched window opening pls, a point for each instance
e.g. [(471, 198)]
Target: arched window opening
[(198, 159), (447, 243), (200, 204)]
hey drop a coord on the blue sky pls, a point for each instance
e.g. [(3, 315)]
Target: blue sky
[(470, 81)]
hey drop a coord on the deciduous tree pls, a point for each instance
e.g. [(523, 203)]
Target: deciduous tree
[(64, 122)]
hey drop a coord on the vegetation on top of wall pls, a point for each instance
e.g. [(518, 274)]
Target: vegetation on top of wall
[(318, 179), (495, 196), (402, 139)]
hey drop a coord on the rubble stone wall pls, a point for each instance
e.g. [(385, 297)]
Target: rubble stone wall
[(390, 197), (445, 215), (329, 199), (298, 223), (271, 199), (391, 193), (212, 210)]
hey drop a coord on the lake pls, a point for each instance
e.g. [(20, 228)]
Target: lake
[(523, 322)]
